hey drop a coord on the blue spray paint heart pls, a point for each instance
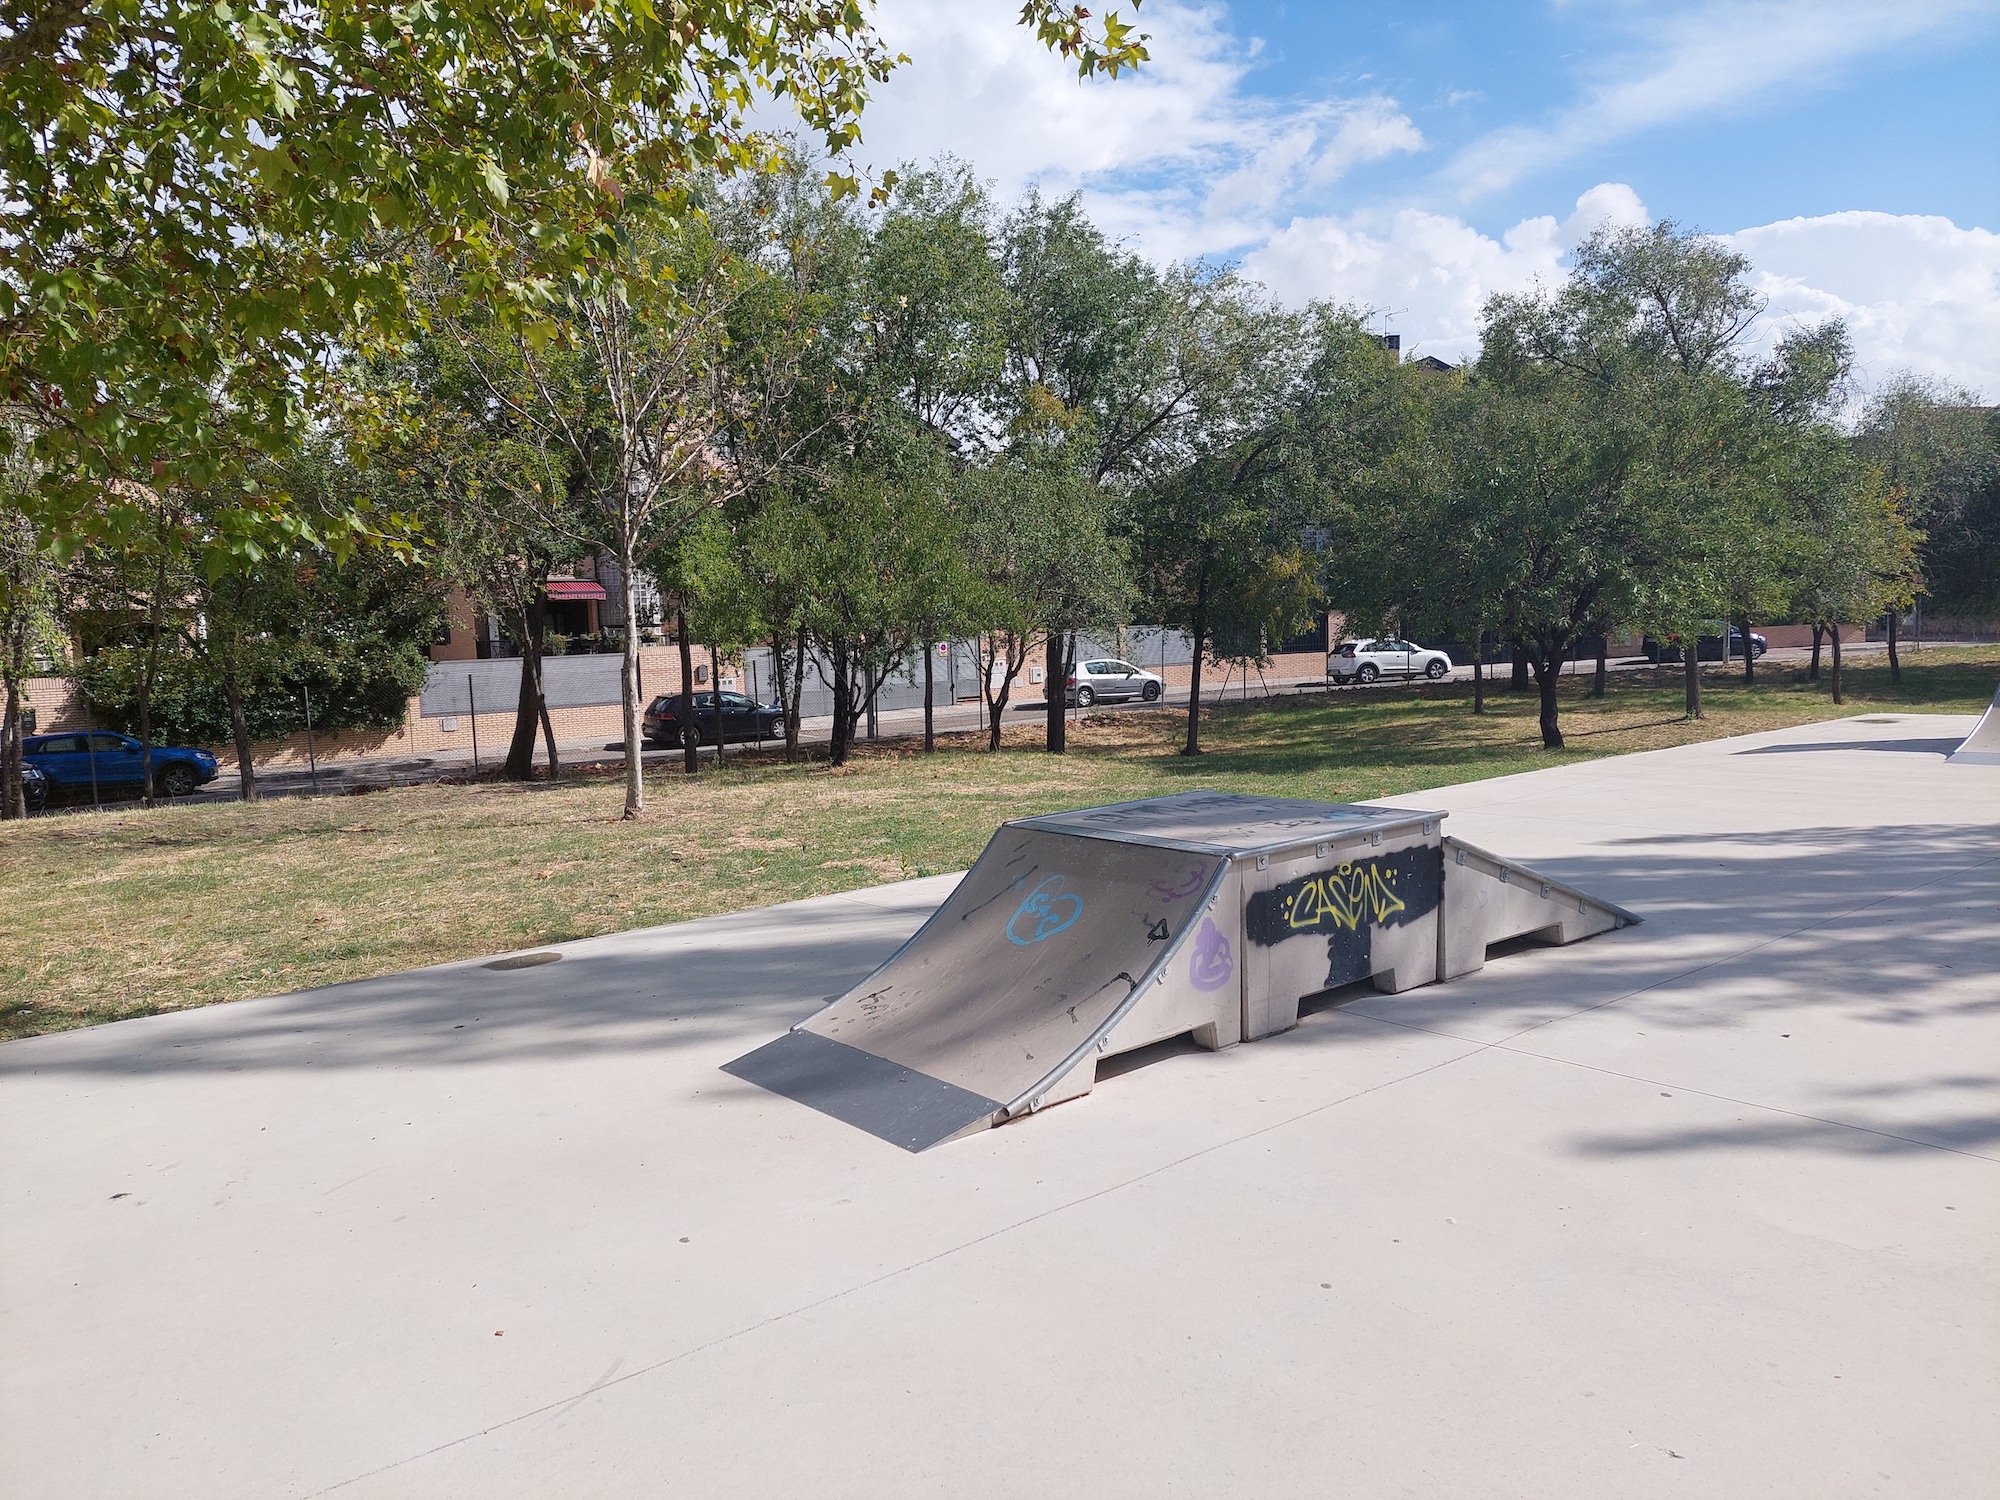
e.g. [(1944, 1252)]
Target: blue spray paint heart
[(1051, 910)]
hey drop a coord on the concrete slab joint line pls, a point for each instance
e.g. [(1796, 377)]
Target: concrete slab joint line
[(1982, 746), (1079, 936)]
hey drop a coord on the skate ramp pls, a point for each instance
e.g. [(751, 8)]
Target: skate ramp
[(1982, 746), (1080, 935), (1045, 941)]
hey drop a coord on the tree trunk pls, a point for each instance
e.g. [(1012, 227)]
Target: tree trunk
[(520, 763), (1199, 633), (715, 696), (628, 680), (549, 737), (1056, 713), (13, 792), (1691, 677), (1895, 661), (798, 698), (14, 667), (1836, 665), (1819, 634), (871, 684), (1749, 653), (239, 731), (1548, 665), (930, 724), (152, 676), (1597, 677), (996, 703), (1479, 674), (690, 732), (843, 704), (1517, 651)]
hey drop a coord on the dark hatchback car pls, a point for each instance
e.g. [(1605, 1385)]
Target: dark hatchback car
[(114, 764), (1706, 647), (743, 718), (34, 786)]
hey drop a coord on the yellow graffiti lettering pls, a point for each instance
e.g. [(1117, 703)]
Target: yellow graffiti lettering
[(1341, 898)]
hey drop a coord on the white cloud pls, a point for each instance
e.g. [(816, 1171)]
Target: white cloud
[(1699, 60), (1917, 291), (1178, 156), (1431, 273), (1182, 160)]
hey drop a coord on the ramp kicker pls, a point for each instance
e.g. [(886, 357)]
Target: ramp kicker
[(1080, 935), (1982, 746)]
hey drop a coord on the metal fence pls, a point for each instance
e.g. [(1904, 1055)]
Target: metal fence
[(460, 687)]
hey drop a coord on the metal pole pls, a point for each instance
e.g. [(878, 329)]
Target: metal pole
[(472, 705), (312, 755)]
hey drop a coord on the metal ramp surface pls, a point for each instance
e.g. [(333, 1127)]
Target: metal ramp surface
[(1982, 746), (1079, 935)]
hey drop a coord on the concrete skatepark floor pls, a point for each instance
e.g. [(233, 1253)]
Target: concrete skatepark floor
[(1706, 1207)]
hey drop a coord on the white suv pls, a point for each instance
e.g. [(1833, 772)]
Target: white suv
[(1364, 661), (1110, 681)]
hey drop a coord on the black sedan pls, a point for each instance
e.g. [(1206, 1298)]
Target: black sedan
[(1707, 647), (743, 718)]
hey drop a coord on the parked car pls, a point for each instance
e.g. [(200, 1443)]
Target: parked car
[(1365, 661), (115, 763), (34, 787), (743, 718), (1112, 681), (1706, 647)]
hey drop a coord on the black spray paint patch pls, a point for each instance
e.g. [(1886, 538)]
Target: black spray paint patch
[(1381, 891)]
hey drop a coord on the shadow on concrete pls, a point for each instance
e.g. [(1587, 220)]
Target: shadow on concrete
[(1976, 1133), (1906, 747), (746, 977), (1867, 927)]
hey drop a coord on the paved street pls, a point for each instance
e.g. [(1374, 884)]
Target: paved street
[(338, 777), (1710, 1206)]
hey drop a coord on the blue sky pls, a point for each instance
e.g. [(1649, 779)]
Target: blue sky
[(1414, 156), (1899, 111)]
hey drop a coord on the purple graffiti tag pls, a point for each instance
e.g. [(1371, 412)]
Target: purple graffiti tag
[(1212, 963), (1181, 891)]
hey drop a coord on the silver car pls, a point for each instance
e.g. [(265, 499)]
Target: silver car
[(1111, 681), (1365, 661)]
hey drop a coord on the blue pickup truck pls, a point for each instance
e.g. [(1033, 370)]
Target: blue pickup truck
[(114, 764)]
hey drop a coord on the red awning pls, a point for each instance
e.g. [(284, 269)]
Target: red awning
[(574, 588)]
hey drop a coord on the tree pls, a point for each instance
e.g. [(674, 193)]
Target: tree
[(879, 533), (237, 656), (1856, 549), (1223, 523), (496, 496), (29, 623), (935, 305), (624, 376), (1043, 561), (1649, 336), (1939, 452), (200, 199)]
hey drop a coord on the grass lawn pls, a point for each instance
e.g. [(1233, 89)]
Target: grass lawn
[(128, 913)]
